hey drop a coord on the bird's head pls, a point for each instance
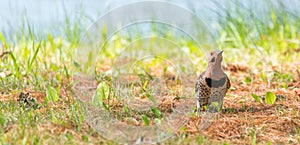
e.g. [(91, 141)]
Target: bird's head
[(215, 58), (214, 69)]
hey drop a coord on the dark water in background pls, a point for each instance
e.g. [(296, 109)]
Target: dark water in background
[(46, 15)]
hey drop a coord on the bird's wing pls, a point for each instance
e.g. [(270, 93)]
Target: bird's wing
[(197, 89), (197, 86), (199, 80)]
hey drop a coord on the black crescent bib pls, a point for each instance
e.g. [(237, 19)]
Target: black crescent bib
[(215, 83)]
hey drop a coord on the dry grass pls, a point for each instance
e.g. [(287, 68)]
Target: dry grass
[(242, 120)]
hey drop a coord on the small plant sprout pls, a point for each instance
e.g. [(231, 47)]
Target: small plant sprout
[(51, 94), (145, 120), (102, 93), (270, 98), (256, 98)]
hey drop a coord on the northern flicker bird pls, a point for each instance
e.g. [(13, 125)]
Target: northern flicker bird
[(212, 84)]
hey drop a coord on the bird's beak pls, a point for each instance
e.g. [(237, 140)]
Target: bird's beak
[(220, 52)]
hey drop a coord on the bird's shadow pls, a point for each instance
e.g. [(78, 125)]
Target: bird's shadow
[(252, 109), (249, 109)]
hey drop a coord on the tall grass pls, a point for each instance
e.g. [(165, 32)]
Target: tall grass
[(271, 32)]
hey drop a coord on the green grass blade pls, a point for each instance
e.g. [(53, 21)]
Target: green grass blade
[(34, 56)]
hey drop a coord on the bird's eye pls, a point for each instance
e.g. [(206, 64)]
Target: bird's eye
[(211, 53), (213, 60)]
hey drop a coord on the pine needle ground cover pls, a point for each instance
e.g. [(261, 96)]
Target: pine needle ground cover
[(39, 105)]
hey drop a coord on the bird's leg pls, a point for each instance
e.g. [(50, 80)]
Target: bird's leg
[(220, 105), (213, 107)]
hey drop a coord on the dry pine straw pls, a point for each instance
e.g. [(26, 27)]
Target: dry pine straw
[(242, 119)]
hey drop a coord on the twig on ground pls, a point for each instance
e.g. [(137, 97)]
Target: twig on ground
[(4, 53)]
